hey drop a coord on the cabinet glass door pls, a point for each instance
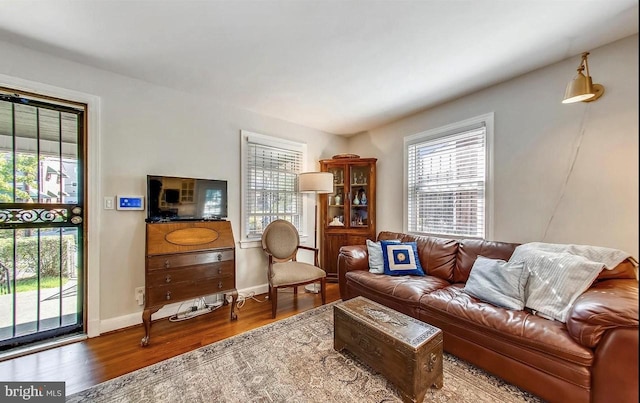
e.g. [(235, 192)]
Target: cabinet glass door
[(337, 199), (359, 185)]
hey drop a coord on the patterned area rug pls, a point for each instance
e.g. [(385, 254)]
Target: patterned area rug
[(292, 360)]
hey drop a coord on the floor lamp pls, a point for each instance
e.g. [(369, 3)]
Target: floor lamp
[(317, 183)]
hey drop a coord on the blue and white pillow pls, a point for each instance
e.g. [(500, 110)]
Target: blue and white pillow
[(401, 259)]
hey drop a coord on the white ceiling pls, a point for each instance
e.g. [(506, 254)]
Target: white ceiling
[(339, 66)]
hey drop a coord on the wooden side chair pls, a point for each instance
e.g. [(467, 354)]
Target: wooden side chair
[(280, 242)]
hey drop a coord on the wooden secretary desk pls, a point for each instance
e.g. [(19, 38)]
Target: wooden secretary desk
[(348, 215), (187, 260)]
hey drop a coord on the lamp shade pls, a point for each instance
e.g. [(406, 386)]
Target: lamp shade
[(579, 89), (582, 88), (315, 182)]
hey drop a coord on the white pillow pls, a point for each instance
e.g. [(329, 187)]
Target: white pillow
[(498, 282), (376, 260)]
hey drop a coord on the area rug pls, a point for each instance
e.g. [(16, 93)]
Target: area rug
[(291, 360)]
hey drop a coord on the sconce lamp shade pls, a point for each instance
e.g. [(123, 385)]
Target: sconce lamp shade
[(315, 182), (581, 88)]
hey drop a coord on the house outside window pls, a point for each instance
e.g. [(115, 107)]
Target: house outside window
[(448, 180), (270, 168)]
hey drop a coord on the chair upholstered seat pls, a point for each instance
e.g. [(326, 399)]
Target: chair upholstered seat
[(289, 273)]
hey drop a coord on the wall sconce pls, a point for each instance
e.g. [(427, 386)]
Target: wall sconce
[(581, 88)]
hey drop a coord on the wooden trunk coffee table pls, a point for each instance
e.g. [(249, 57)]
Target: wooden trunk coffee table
[(406, 351)]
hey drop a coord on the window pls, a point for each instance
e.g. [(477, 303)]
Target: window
[(270, 183), (447, 180), (213, 203)]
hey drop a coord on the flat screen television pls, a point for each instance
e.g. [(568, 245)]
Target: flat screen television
[(171, 198)]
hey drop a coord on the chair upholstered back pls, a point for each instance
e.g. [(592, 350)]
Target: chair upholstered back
[(281, 240)]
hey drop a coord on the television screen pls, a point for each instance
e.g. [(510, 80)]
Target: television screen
[(171, 198)]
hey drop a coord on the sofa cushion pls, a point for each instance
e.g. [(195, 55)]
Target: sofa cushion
[(470, 249), (625, 270), (498, 282), (400, 259), (437, 255), (401, 293), (518, 328)]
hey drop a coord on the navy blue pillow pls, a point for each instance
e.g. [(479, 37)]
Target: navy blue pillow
[(401, 259)]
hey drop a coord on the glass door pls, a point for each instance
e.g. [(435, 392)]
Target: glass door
[(41, 220), (338, 199), (360, 196), (348, 205)]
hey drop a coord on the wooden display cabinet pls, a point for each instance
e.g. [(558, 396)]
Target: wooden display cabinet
[(348, 215)]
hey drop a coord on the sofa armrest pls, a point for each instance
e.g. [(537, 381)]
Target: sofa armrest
[(607, 305), (353, 257)]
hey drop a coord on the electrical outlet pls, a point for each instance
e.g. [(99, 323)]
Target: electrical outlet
[(139, 295)]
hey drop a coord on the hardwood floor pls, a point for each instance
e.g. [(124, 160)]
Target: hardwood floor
[(87, 363)]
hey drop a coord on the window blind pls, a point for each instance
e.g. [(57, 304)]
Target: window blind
[(446, 184), (271, 187)]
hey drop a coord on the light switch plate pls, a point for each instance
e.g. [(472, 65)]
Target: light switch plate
[(108, 203)]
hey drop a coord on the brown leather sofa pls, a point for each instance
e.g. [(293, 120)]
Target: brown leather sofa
[(591, 358)]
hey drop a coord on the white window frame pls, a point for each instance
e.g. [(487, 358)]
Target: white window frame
[(452, 130), (271, 141)]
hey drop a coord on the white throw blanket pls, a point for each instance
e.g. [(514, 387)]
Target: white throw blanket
[(560, 273)]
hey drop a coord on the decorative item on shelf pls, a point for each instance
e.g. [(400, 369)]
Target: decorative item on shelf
[(356, 201), (363, 197), (340, 156), (336, 222), (338, 199)]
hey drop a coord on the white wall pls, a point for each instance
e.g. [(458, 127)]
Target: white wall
[(535, 138), (147, 129)]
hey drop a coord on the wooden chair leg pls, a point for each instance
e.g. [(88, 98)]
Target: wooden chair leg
[(274, 301), (323, 290), (295, 290)]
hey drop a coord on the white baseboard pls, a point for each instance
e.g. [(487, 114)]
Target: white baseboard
[(121, 322)]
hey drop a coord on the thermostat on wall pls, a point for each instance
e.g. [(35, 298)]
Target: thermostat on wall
[(130, 202)]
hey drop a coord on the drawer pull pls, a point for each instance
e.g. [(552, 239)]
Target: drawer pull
[(219, 257), (219, 270), (167, 279), (220, 284), (167, 264), (168, 296)]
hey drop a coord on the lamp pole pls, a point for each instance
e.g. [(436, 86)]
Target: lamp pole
[(317, 183)]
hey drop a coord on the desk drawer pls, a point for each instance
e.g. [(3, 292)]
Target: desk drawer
[(193, 273), (175, 292), (163, 262)]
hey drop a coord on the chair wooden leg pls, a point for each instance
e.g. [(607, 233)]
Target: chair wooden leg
[(274, 301), (323, 290), (295, 290)]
